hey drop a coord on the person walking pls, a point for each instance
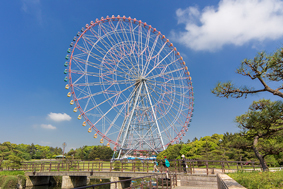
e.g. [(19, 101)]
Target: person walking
[(184, 164), (155, 166), (166, 164)]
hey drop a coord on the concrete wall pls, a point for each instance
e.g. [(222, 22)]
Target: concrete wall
[(37, 180), (226, 182), (197, 181), (120, 185), (73, 181)]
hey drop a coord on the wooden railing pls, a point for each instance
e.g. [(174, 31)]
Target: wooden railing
[(193, 166)]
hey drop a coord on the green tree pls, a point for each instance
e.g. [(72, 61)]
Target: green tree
[(265, 68), (172, 152), (13, 162), (262, 126)]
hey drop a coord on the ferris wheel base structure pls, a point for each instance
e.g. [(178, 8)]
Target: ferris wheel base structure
[(129, 84)]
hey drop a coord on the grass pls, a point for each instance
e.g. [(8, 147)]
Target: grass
[(7, 173), (262, 180)]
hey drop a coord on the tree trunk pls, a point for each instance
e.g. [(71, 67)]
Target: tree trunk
[(258, 155)]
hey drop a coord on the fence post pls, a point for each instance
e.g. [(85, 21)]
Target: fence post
[(254, 166), (170, 182), (175, 166), (166, 182), (162, 181), (156, 181), (206, 167)]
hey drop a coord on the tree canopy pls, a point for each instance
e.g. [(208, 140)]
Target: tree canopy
[(264, 68), (262, 127)]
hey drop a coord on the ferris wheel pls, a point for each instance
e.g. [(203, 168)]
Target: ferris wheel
[(130, 84)]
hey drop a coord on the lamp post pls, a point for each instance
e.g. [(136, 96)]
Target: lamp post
[(64, 145)]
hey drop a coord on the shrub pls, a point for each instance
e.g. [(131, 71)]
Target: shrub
[(10, 182), (255, 180), (2, 179)]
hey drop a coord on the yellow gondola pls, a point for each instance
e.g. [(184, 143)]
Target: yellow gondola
[(80, 117), (89, 130), (101, 140), (69, 94), (75, 109), (71, 102), (108, 145), (67, 86), (84, 123), (95, 135)]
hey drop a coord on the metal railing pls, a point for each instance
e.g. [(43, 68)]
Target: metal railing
[(154, 181)]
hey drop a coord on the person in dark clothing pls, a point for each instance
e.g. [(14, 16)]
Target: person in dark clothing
[(184, 164)]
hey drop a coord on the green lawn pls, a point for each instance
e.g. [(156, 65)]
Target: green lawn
[(262, 180), (7, 173)]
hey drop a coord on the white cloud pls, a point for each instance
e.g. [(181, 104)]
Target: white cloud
[(47, 126), (233, 22), (59, 116), (32, 7)]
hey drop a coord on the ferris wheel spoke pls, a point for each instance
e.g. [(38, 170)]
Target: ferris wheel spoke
[(159, 62), (121, 62), (166, 85), (154, 115), (183, 94), (94, 45), (165, 73), (150, 54), (93, 94), (120, 40), (88, 52), (101, 37), (123, 28), (112, 41), (104, 83), (110, 98), (129, 119)]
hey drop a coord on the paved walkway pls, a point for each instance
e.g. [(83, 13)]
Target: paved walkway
[(191, 187)]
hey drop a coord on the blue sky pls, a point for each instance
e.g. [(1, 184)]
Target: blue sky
[(212, 36)]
